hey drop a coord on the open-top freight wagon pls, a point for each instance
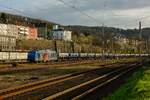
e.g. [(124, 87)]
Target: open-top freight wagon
[(8, 57)]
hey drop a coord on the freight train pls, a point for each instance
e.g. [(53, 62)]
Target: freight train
[(7, 57), (49, 55)]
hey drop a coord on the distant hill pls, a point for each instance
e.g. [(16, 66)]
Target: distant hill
[(129, 33), (22, 20), (77, 29)]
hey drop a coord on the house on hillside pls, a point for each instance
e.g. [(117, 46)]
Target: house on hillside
[(27, 33), (61, 34)]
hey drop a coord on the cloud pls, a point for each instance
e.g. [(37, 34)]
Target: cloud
[(119, 13)]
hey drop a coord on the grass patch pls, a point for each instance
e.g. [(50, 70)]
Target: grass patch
[(136, 88)]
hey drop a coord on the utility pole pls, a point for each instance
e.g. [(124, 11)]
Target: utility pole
[(103, 41), (73, 46), (103, 33), (140, 36), (148, 44), (55, 46), (140, 30)]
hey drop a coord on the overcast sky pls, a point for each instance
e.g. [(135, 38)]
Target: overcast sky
[(115, 13)]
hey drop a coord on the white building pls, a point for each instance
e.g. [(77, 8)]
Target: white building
[(61, 34), (8, 35), (22, 32)]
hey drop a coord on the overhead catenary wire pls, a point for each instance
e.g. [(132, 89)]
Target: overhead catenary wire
[(65, 3), (74, 3), (82, 12), (27, 14), (135, 21), (19, 12), (91, 17), (13, 9)]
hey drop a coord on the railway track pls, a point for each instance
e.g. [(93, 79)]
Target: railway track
[(24, 68), (80, 91), (67, 86), (40, 66), (10, 69)]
